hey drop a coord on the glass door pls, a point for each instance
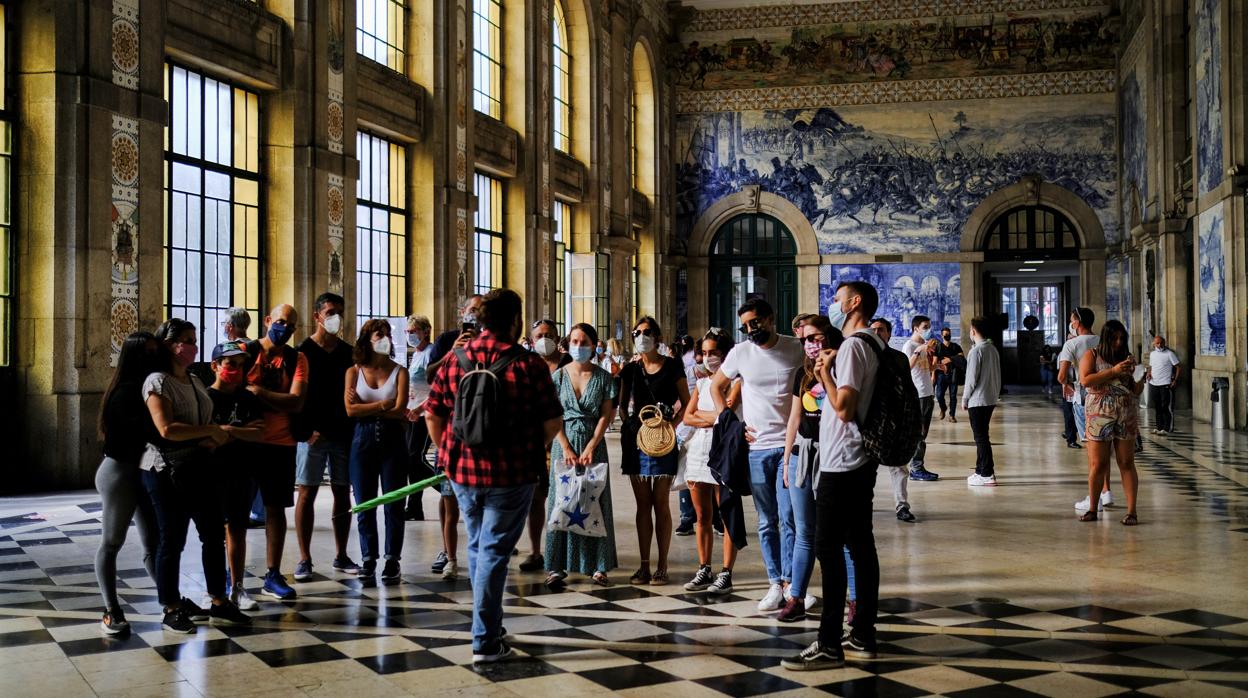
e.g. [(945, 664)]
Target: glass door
[(1042, 302)]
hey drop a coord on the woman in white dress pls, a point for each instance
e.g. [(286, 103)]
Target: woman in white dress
[(703, 487)]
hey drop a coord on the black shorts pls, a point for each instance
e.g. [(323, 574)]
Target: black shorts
[(237, 495), (273, 470)]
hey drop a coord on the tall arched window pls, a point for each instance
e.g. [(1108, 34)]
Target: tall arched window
[(561, 80), (642, 122), (487, 57), (1032, 231)]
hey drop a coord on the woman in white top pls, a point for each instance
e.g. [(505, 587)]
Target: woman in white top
[(376, 397), (419, 352), (703, 488)]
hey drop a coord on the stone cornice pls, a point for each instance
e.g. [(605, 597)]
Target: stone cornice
[(870, 10)]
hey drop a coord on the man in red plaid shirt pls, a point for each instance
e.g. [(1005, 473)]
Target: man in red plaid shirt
[(494, 484)]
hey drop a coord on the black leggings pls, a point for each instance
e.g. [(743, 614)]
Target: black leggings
[(843, 519)]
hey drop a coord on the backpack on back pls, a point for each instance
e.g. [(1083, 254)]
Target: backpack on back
[(893, 427), (479, 412)]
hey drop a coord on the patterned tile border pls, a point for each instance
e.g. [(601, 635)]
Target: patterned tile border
[(896, 92), (123, 310), (125, 47), (869, 10)]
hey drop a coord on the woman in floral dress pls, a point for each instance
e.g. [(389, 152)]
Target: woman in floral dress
[(1112, 408), (586, 393)]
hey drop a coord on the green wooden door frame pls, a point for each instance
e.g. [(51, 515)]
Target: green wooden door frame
[(751, 249)]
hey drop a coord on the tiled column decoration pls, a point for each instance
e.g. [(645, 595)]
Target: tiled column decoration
[(461, 147), (335, 122), (124, 297), (335, 203)]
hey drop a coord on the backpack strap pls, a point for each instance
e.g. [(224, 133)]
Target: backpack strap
[(506, 359), (877, 344), (464, 362)]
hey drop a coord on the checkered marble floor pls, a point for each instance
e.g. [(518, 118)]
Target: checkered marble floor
[(993, 593)]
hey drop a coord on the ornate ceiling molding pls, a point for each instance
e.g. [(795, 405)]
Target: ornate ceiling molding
[(869, 10)]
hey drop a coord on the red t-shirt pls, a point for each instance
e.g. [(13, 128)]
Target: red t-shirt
[(270, 372)]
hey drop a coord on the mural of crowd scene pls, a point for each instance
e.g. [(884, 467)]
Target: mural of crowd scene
[(1113, 289), (906, 290), (922, 48), (1212, 263), (885, 179), (1134, 117), (1208, 95)]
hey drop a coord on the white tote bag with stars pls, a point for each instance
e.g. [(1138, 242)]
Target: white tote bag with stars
[(578, 505)]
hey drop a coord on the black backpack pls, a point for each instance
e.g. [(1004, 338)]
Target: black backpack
[(893, 427), (479, 413)]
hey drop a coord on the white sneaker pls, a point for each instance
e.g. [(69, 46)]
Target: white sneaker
[(773, 600), (810, 602), (206, 602), (1107, 500), (451, 572), (1082, 505), (977, 480), (242, 599)]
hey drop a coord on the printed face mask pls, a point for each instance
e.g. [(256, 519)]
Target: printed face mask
[(812, 349)]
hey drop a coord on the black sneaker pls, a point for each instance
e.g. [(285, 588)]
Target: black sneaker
[(903, 514), (685, 528), (114, 623), (503, 651), (814, 658), (227, 613), (192, 611), (920, 474), (856, 648), (701, 580), (722, 583), (178, 622), (390, 572), (719, 529), (368, 570), (346, 565)]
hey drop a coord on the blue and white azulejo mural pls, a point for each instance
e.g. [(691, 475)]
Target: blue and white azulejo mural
[(1208, 95), (1211, 262), (906, 290)]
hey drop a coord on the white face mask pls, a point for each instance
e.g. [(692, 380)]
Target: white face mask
[(382, 346), (644, 344), (333, 323), (712, 363), (545, 346)]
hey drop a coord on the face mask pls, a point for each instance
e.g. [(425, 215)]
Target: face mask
[(712, 364), (837, 316), (644, 344), (812, 350), (947, 337), (926, 334), (186, 354), (544, 346), (760, 336), (600, 351), (470, 318), (382, 346), (280, 332), (581, 354), (230, 375), (413, 340), (1072, 329), (333, 323)]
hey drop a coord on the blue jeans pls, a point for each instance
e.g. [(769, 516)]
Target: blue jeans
[(494, 517), (849, 571), (775, 513), (1081, 422), (802, 502), (378, 451), (687, 513)]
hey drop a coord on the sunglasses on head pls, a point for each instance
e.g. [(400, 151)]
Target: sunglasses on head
[(647, 332)]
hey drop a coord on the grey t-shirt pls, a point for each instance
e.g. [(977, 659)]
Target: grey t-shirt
[(840, 442), (189, 404), (1073, 351)]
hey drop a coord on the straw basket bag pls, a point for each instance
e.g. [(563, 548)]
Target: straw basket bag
[(655, 437)]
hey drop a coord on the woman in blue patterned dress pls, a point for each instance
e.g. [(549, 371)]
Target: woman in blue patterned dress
[(586, 393)]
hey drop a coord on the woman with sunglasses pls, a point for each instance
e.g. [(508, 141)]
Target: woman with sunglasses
[(801, 459), (659, 381)]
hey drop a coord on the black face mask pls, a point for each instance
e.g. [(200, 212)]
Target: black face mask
[(760, 336)]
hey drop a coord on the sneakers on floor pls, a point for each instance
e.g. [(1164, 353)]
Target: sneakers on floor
[(192, 611), (439, 563), (303, 570), (533, 563), (815, 658), (977, 480), (793, 611), (227, 613), (114, 623), (451, 572), (685, 528), (1073, 444), (275, 586), (368, 570), (722, 584), (239, 597), (904, 514), (856, 648), (773, 600), (345, 565), (701, 580), (1082, 505), (1107, 500), (178, 621), (503, 651), (390, 572), (921, 474)]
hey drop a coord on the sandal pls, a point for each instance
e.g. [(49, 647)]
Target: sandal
[(640, 577), (554, 581), (1130, 520), (600, 578), (1088, 516), (659, 579)]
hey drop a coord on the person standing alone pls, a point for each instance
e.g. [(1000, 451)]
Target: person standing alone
[(1163, 375), (983, 388)]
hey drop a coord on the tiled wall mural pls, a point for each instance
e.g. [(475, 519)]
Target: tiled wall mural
[(1208, 95), (1212, 275), (1134, 118), (906, 290), (895, 179), (335, 120), (1113, 289), (123, 309)]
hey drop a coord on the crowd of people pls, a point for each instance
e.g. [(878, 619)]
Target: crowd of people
[(515, 412)]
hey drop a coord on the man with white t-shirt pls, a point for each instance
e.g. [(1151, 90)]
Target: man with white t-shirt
[(846, 484), (766, 365), (920, 357), (1163, 374), (1081, 322)]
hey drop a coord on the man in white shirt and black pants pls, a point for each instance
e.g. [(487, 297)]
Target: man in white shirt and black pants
[(920, 358), (846, 484), (979, 399), (1163, 374)]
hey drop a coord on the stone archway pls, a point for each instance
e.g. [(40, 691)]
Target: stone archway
[(751, 199)]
